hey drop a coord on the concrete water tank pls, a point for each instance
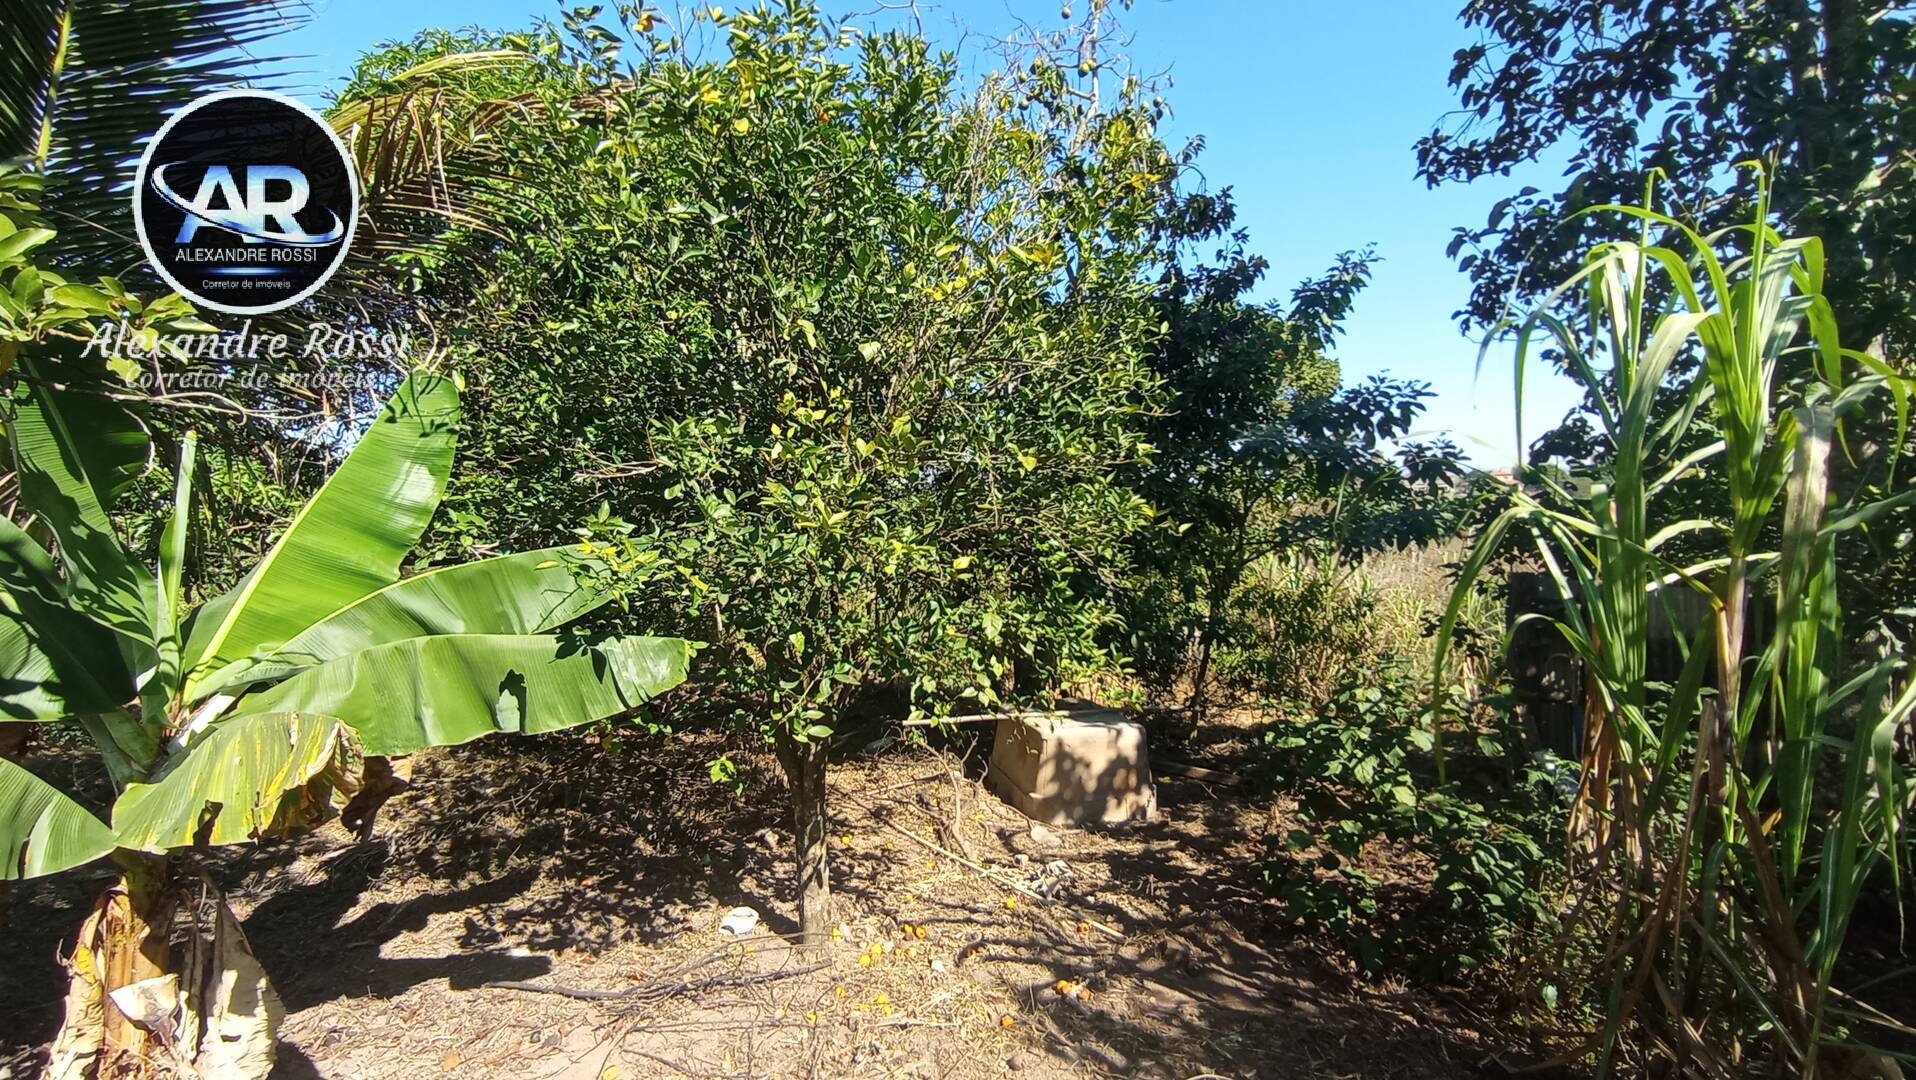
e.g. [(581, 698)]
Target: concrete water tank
[(1070, 768)]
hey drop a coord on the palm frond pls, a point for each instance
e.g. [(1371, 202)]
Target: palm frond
[(422, 147), (84, 83)]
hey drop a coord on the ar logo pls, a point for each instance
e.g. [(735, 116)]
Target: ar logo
[(244, 201), (256, 216)]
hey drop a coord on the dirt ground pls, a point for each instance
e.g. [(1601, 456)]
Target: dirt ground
[(553, 863)]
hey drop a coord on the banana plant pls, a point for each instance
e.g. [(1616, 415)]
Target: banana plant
[(256, 711)]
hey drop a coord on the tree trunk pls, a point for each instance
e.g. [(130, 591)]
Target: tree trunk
[(1217, 606), (804, 764), (1207, 638)]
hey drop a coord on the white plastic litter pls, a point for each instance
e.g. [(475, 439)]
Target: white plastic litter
[(739, 921)]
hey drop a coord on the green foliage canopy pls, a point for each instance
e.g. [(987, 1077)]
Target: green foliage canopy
[(866, 343)]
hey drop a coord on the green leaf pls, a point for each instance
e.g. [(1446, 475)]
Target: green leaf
[(54, 661), (225, 787), (57, 481), (83, 84), (24, 241), (85, 297), (172, 564), (527, 593), (41, 830), (46, 674), (350, 539), (114, 445), (441, 691), (127, 748)]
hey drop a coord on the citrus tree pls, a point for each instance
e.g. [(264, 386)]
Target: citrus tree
[(863, 346)]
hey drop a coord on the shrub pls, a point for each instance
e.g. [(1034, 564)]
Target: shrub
[(1298, 628), (1359, 771)]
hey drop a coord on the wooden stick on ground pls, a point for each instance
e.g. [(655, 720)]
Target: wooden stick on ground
[(986, 871), (1016, 714), (657, 989), (1193, 772)]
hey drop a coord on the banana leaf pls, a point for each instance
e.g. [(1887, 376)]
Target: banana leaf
[(226, 786), (55, 481), (41, 830), (350, 539), (440, 691), (54, 661), (526, 593)]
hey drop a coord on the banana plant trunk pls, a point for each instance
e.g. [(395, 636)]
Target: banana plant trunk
[(127, 940), (138, 941), (142, 1004), (804, 763)]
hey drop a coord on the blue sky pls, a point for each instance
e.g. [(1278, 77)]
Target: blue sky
[(1309, 111)]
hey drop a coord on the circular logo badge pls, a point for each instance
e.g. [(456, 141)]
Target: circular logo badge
[(245, 201)]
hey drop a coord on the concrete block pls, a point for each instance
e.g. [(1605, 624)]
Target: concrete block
[(1073, 767)]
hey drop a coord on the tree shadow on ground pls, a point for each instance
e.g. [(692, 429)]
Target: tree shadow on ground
[(1208, 973), (314, 954), (535, 846), (512, 857)]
